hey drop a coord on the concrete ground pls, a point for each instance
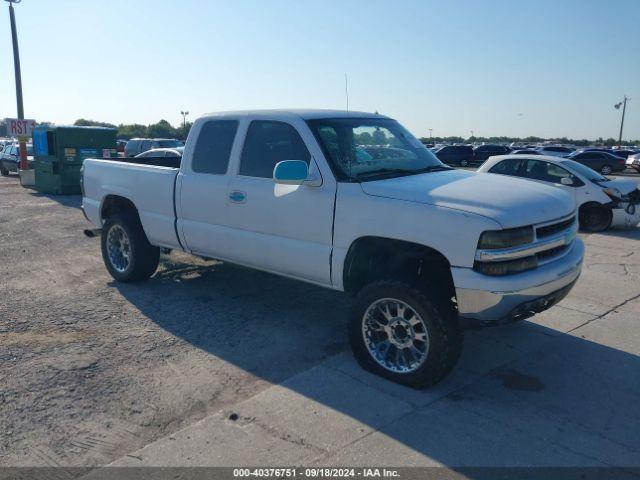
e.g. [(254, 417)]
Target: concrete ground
[(209, 364)]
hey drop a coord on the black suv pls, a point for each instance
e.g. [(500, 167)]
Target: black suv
[(461, 155), (482, 152)]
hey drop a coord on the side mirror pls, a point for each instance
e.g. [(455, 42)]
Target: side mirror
[(566, 181), (290, 172)]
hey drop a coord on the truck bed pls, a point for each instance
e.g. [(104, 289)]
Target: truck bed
[(171, 162), (151, 188)]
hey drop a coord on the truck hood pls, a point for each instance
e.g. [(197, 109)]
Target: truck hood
[(510, 201), (624, 186)]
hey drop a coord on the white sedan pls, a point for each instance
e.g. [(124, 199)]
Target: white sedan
[(602, 202)]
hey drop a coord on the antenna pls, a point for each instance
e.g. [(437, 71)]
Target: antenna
[(346, 90)]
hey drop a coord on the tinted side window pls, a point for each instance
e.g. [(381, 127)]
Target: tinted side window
[(268, 143), (145, 145), (213, 147), (507, 167)]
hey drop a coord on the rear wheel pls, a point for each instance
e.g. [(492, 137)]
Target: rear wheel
[(404, 334), (126, 252), (594, 218), (606, 170), (464, 163), (4, 171)]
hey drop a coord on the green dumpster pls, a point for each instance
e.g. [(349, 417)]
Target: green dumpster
[(60, 151)]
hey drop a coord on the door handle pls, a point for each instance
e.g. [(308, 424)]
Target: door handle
[(236, 196)]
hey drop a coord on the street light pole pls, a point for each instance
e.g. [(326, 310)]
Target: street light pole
[(184, 123), (624, 109), (16, 64), (430, 131)]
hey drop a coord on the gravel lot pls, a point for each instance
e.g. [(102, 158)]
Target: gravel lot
[(91, 370)]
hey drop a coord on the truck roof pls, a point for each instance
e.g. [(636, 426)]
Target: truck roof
[(305, 114)]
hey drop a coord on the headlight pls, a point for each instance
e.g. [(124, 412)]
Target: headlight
[(507, 267), (512, 237), (613, 193)]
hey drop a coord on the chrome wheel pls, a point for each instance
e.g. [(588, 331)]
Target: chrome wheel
[(118, 248), (395, 335), (605, 170)]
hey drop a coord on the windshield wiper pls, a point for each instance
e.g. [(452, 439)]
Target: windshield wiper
[(433, 168), (383, 171), (402, 171)]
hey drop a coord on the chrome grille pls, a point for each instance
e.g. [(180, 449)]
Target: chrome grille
[(548, 230)]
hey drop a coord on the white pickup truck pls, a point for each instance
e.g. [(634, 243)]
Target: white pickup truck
[(353, 202)]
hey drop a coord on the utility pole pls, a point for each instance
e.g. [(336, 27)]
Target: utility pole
[(184, 123), (430, 136), (16, 64), (346, 90), (624, 108)]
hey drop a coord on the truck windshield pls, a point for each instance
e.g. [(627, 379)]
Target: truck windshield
[(363, 149)]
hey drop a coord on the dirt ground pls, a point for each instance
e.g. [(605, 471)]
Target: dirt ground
[(91, 370)]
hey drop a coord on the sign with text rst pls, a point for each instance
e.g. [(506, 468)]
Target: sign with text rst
[(20, 128)]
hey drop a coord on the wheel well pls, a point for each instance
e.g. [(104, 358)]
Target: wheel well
[(114, 204), (586, 205), (374, 258)]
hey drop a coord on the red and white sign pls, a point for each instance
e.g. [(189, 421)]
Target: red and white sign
[(20, 128)]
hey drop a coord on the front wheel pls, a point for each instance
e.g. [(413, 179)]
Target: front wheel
[(594, 218), (404, 334), (606, 170), (126, 252), (464, 163), (3, 171)]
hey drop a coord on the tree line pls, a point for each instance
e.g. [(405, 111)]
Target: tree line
[(583, 142), (162, 129)]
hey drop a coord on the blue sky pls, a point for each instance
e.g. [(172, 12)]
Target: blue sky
[(497, 67)]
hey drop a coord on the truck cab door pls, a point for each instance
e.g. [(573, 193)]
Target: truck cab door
[(202, 188), (286, 229)]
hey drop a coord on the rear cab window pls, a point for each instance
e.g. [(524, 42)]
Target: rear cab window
[(213, 146)]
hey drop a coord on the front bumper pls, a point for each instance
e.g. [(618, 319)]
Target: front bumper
[(625, 215), (487, 300)]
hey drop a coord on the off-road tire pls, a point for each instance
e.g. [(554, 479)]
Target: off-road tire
[(144, 257), (445, 336)]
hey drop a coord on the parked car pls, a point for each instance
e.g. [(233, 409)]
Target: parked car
[(286, 192), (162, 152), (554, 150), (525, 152), (602, 202), (135, 146), (10, 158), (624, 153), (633, 161), (600, 161), (461, 155), (482, 152), (120, 145)]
